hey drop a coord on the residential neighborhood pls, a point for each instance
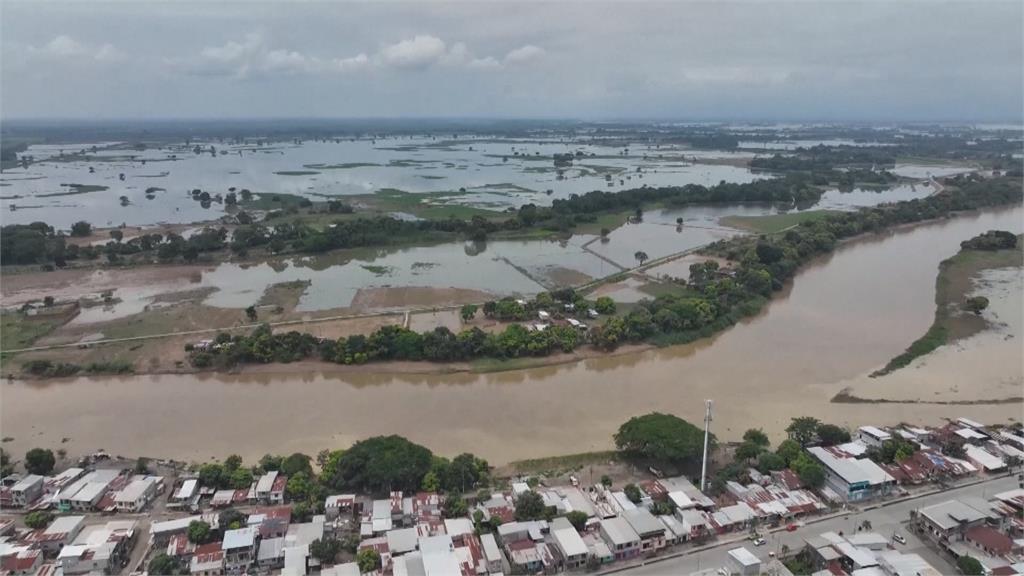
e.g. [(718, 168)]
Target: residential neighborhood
[(104, 518)]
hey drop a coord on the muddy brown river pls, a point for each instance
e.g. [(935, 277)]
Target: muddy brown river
[(844, 316)]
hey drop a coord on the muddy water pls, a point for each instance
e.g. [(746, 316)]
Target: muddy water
[(845, 315)]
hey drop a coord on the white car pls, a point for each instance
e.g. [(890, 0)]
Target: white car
[(899, 538), (758, 541)]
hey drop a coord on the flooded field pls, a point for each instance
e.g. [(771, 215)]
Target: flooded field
[(482, 172), (844, 316)]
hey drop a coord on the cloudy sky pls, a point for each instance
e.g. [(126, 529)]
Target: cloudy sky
[(913, 60)]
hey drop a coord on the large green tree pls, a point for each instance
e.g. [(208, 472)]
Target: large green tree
[(39, 461), (803, 429), (970, 566), (381, 464), (529, 506), (199, 532), (830, 435), (661, 438), (368, 560)]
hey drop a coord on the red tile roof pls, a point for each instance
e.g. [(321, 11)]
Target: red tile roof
[(21, 562), (989, 539)]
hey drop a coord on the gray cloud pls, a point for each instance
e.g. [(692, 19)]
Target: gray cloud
[(774, 59)]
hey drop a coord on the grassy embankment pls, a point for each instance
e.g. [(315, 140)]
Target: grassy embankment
[(19, 331), (556, 465), (952, 285), (774, 223)]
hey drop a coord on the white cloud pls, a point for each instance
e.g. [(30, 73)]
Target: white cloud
[(108, 53), (415, 52), (64, 47), (524, 54), (252, 56)]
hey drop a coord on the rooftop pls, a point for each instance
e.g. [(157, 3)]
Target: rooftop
[(951, 513), (851, 470), (643, 522), (744, 557), (619, 531), (240, 538)]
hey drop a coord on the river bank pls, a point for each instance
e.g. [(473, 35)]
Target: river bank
[(821, 335), (957, 280)]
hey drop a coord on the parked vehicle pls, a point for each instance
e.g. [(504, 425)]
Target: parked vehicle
[(899, 538)]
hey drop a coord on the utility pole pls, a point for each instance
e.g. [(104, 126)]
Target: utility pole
[(707, 428)]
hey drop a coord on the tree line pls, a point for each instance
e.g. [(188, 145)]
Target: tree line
[(40, 243)]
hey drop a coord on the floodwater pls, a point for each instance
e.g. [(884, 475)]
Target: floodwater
[(495, 173), (844, 316)]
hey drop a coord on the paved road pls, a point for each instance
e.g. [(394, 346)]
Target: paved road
[(885, 520)]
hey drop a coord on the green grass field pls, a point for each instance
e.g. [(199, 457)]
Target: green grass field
[(773, 223)]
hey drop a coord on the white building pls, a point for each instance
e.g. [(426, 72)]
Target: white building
[(623, 541), (239, 548), (853, 479), (137, 494), (27, 490), (59, 533), (741, 561), (99, 549), (569, 544), (86, 492), (873, 436)]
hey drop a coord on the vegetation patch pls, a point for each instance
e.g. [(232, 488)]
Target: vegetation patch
[(377, 270), (341, 166), (296, 172), (18, 330), (773, 223), (75, 189)]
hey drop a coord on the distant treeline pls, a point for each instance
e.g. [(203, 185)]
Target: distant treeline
[(991, 240), (39, 243)]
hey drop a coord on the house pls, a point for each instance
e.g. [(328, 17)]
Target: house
[(99, 548), (622, 539), (137, 494), (27, 490), (648, 527), (239, 548), (873, 436), (983, 459), (21, 563), (208, 560), (179, 547), (86, 492), (187, 495), (853, 479), (493, 560), (742, 562), (339, 505), (402, 540), (990, 541), (569, 544), (948, 521), (270, 555), (58, 534), (458, 529), (270, 488), (161, 532), (895, 563)]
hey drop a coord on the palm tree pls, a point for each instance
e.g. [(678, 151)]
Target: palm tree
[(641, 256)]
